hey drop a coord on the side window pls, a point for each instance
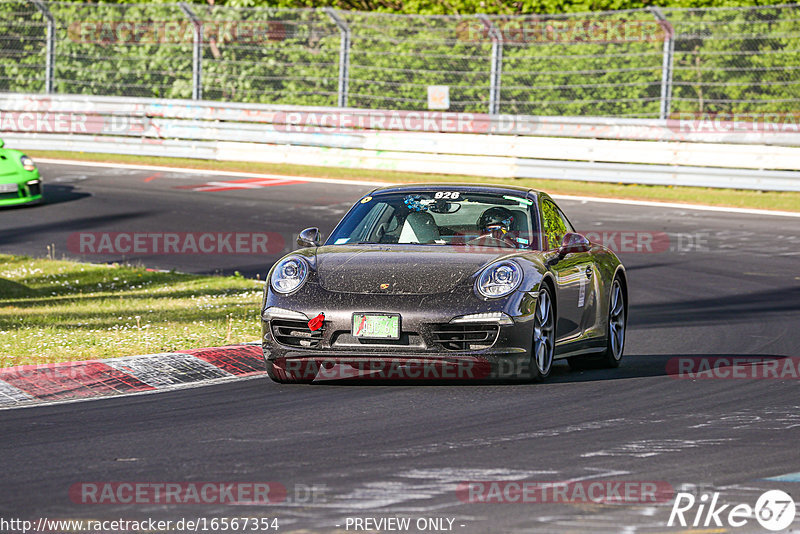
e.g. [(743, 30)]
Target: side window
[(554, 226), (566, 222)]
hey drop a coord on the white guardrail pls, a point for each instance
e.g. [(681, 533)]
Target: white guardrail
[(695, 152)]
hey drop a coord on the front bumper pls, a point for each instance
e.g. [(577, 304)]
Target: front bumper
[(430, 346), (28, 189)]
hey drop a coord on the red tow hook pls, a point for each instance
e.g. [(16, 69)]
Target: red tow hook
[(316, 323)]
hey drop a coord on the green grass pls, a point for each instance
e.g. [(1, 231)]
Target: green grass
[(53, 311), (772, 200)]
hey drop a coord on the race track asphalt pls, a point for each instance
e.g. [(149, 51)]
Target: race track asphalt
[(727, 285)]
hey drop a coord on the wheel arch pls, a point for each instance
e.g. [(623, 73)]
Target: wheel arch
[(623, 282), (547, 280)]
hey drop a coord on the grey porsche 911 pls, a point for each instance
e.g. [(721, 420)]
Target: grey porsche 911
[(444, 282)]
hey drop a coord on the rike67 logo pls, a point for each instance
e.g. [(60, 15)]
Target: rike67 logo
[(774, 510)]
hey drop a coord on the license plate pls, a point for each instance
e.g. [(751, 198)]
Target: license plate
[(371, 326), (8, 188)]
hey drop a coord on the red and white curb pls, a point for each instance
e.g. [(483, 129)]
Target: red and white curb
[(34, 384)]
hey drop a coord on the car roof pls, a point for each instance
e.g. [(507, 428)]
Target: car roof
[(469, 188)]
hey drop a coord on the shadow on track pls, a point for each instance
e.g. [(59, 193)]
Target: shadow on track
[(58, 194), (52, 194), (23, 233)]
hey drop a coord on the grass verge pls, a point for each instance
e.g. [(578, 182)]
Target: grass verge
[(52, 311), (771, 200)]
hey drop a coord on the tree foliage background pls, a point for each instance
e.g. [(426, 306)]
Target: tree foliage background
[(726, 61), (500, 7)]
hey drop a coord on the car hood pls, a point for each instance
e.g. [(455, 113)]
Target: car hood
[(414, 269)]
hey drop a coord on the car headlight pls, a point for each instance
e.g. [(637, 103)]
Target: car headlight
[(500, 279), (289, 275), (27, 163)]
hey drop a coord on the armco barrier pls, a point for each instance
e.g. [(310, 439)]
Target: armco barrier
[(670, 152)]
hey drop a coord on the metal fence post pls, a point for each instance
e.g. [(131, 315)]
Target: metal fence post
[(497, 65), (344, 56), (666, 63), (197, 52), (50, 49)]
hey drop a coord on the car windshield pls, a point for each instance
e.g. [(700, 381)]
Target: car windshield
[(440, 218)]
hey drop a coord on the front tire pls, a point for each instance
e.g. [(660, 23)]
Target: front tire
[(615, 334), (617, 322), (543, 346)]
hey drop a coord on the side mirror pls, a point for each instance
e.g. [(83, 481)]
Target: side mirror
[(573, 243), (310, 237), (2, 143)]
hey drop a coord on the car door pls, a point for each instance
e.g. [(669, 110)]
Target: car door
[(587, 293), (574, 275)]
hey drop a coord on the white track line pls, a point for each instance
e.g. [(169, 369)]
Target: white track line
[(213, 172), (664, 205), (701, 207)]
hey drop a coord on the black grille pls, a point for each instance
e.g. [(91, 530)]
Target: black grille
[(295, 333), (35, 189), (8, 196), (465, 336)]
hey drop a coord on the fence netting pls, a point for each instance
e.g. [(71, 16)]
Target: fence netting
[(632, 63)]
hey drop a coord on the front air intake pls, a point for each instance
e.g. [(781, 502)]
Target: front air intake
[(472, 336), (295, 333)]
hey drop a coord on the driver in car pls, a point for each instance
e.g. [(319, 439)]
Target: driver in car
[(495, 223)]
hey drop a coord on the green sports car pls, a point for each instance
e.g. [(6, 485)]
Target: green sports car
[(19, 178)]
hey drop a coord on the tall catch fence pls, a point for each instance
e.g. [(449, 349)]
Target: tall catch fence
[(645, 63)]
